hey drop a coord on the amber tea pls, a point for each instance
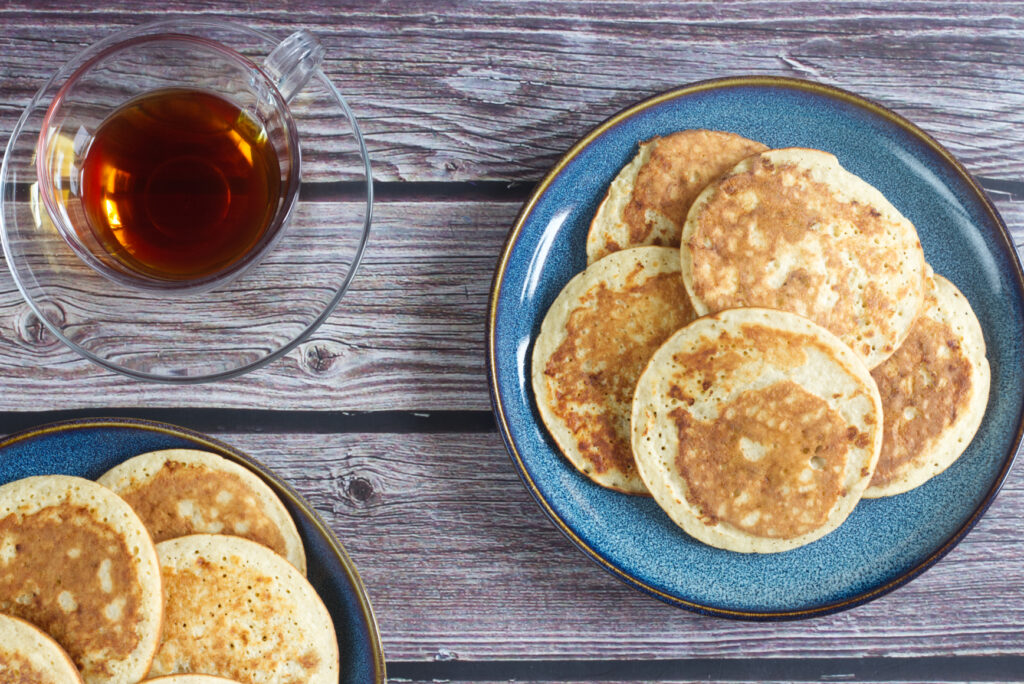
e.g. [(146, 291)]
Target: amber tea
[(180, 184)]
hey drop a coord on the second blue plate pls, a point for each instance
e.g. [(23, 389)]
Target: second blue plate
[(88, 448)]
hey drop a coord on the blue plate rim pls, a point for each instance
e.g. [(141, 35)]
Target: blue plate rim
[(492, 365), (244, 459)]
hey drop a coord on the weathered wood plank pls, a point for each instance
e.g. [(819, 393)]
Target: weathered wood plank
[(947, 669), (469, 91), (541, 674), (409, 335), (460, 562)]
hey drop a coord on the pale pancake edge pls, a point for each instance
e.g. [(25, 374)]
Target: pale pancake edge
[(237, 609), (28, 654)]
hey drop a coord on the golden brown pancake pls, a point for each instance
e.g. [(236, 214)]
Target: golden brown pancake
[(934, 391), (77, 562), (237, 609), (648, 201), (756, 430), (178, 492), (593, 343), (791, 229), (28, 655)]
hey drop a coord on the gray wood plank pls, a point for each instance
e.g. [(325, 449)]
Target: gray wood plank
[(460, 562), (844, 677), (470, 91), (410, 334), (541, 674)]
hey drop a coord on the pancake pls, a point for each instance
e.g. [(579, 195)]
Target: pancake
[(237, 609), (594, 341), (178, 492), (647, 202), (77, 562), (791, 229), (934, 391), (30, 655), (756, 430)]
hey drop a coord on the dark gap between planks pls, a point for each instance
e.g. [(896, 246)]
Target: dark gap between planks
[(224, 420), (515, 191), (488, 191), (935, 669), (383, 191), (1013, 189)]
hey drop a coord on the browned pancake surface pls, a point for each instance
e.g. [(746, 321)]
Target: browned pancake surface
[(680, 167), (934, 391), (30, 656), (159, 503), (921, 393), (16, 669), (760, 495), (220, 649), (65, 546), (775, 234), (758, 489), (610, 335), (594, 343), (756, 430)]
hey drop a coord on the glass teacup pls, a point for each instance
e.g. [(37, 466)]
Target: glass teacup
[(186, 328), (146, 154)]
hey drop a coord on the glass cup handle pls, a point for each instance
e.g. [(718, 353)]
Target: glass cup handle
[(293, 62)]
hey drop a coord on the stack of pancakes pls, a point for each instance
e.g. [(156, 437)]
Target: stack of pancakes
[(177, 563), (758, 343)]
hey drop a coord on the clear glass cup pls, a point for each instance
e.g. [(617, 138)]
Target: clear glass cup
[(239, 320), (146, 64)]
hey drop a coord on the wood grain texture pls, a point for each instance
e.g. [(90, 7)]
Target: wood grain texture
[(409, 335), (459, 562), (481, 90)]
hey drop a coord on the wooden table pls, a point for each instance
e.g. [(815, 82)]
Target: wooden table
[(382, 419)]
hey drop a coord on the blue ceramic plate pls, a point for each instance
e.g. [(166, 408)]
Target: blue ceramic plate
[(88, 448), (885, 542)]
